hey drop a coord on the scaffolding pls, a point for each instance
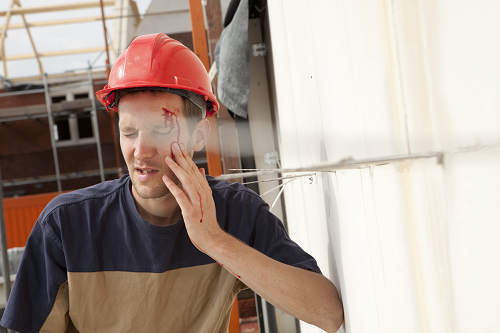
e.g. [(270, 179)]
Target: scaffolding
[(58, 177)]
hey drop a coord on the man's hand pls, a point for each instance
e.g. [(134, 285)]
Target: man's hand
[(306, 295), (194, 198)]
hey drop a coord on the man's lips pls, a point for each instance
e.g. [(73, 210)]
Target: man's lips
[(145, 170), (145, 173)]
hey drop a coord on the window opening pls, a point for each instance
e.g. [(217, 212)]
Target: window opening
[(61, 128), (85, 125), (58, 99), (73, 129), (81, 96)]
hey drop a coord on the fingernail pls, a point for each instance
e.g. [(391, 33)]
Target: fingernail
[(169, 159), (176, 146), (182, 146)]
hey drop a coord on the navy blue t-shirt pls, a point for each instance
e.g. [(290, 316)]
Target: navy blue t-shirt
[(93, 264)]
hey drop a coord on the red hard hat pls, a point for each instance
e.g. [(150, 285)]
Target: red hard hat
[(158, 61)]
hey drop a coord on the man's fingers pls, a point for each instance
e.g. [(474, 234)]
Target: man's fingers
[(190, 187), (183, 159), (191, 168), (178, 194), (190, 199), (194, 170)]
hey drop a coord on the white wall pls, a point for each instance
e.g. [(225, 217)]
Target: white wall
[(124, 26), (413, 245), (171, 16)]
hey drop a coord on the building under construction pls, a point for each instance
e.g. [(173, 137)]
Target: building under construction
[(372, 129)]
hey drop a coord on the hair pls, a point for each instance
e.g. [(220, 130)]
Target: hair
[(190, 111)]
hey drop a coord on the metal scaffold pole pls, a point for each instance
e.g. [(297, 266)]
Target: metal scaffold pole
[(51, 131), (95, 123), (3, 241)]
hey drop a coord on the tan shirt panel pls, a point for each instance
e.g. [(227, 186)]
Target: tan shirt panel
[(57, 321), (193, 299)]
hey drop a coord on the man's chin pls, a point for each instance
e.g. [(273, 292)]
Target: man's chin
[(146, 192)]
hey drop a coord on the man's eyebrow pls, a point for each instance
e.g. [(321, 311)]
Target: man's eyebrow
[(165, 110), (125, 128)]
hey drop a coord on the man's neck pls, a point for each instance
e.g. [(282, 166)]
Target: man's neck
[(160, 211)]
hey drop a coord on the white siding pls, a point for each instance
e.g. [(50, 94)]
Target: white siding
[(413, 245), (168, 16)]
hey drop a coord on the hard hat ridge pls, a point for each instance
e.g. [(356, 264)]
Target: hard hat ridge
[(158, 62), (197, 99)]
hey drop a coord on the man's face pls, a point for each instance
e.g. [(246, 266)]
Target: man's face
[(149, 124)]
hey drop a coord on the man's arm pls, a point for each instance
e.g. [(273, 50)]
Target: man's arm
[(39, 298), (306, 295)]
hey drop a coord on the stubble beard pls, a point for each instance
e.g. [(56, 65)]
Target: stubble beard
[(160, 191)]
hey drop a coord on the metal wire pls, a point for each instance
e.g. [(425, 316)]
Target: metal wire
[(277, 197), (329, 166), (279, 178), (277, 187)]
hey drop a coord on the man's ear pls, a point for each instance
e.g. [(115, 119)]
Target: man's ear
[(200, 134)]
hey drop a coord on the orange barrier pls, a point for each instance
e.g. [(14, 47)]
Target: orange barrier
[(20, 217), (201, 50), (21, 214), (234, 320)]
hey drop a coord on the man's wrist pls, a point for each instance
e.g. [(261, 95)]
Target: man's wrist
[(218, 245)]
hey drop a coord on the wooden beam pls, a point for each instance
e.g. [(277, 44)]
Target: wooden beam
[(90, 19), (198, 31), (53, 8), (3, 35), (108, 69), (63, 21), (32, 43), (214, 22), (66, 75), (201, 50), (57, 53), (18, 3)]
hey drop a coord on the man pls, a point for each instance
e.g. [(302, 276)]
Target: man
[(165, 248)]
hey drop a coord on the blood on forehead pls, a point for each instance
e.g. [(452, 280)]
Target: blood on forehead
[(171, 121)]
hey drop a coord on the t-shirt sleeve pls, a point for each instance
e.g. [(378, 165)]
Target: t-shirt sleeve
[(41, 274), (270, 237)]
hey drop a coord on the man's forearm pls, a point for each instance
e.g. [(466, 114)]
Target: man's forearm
[(303, 294)]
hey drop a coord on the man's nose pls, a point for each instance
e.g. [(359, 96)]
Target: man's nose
[(144, 148)]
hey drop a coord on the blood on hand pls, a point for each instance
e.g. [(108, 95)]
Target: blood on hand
[(171, 122)]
